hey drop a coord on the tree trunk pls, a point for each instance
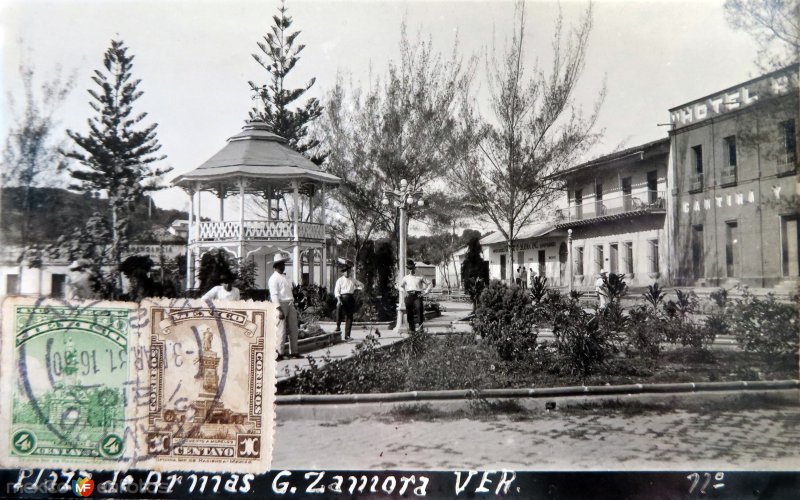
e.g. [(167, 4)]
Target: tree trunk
[(510, 273)]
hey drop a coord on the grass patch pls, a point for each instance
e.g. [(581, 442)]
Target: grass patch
[(476, 409)]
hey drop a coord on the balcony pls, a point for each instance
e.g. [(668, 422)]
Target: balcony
[(612, 208), (787, 165), (696, 182), (258, 230), (728, 177)]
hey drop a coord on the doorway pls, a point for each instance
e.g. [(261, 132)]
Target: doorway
[(790, 243), (503, 275), (627, 190), (563, 254), (613, 255), (542, 263), (698, 258), (732, 249)]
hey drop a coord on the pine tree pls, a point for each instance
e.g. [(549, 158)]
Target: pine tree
[(279, 56), (116, 156)]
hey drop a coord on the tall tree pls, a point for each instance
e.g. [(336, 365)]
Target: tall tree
[(279, 55), (536, 131), (30, 155), (116, 157), (773, 24), (400, 127)]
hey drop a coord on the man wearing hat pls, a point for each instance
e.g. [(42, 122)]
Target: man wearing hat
[(345, 300), (415, 287), (280, 292)]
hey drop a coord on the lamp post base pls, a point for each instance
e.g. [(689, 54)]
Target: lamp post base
[(401, 326)]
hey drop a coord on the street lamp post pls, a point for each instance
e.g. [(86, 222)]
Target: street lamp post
[(403, 199), (569, 257)]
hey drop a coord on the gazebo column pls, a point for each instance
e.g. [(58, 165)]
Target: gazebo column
[(269, 203), (221, 195), (241, 218), (311, 255), (196, 254), (189, 238), (323, 270), (297, 266)]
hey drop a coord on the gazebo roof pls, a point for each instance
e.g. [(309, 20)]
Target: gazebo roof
[(256, 153)]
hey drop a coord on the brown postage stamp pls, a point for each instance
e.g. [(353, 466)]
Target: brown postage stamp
[(163, 384), (211, 384)]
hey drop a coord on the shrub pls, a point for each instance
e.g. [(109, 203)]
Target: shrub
[(370, 369), (614, 286), (654, 296), (506, 319), (538, 288), (644, 333), (764, 325), (582, 346)]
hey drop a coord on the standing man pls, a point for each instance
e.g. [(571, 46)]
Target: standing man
[(600, 288), (416, 287), (280, 292), (345, 299), (518, 278), (524, 278)]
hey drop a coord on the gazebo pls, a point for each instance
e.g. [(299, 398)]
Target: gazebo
[(258, 167)]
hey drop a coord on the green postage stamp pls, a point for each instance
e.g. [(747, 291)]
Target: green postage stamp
[(162, 385)]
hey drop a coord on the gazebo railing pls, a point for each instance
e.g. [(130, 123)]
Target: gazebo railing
[(258, 230)]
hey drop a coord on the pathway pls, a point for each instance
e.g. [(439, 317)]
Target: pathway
[(454, 311)]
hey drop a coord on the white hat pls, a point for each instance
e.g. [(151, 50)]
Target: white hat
[(279, 258)]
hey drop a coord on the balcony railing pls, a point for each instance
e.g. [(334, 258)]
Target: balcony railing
[(258, 230), (696, 182), (787, 165), (649, 201), (728, 177)]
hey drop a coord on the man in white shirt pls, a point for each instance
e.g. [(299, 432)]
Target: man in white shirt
[(345, 299), (280, 292), (224, 291), (416, 287), (600, 288)]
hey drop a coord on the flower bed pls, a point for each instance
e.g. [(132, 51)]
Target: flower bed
[(459, 361)]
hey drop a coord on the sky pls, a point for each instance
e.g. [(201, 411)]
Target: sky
[(194, 57)]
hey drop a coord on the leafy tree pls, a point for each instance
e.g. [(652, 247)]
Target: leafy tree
[(536, 132), (773, 24), (214, 267), (89, 246), (401, 127), (30, 157), (279, 55), (116, 156), (137, 269)]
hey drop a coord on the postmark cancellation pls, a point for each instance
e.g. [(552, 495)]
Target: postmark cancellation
[(163, 384)]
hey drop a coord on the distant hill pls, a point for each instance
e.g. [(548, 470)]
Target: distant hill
[(58, 211)]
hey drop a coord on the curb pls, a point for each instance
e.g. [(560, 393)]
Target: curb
[(551, 392)]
